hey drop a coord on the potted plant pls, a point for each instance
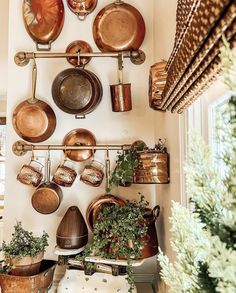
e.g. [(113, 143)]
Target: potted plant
[(25, 251), (126, 162), (119, 233)]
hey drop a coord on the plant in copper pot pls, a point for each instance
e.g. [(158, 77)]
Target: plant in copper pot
[(25, 251), (120, 233), (126, 162)]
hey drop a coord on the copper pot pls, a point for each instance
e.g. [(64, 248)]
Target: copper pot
[(48, 196), (65, 174), (121, 97), (151, 247), (33, 119), (82, 7), (77, 91)]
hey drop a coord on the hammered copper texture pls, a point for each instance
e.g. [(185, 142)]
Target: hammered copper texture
[(118, 27), (43, 19), (195, 58)]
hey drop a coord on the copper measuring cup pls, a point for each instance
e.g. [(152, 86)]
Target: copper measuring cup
[(121, 92), (65, 174), (31, 174)]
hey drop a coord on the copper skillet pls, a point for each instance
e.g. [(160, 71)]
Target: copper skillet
[(118, 26), (33, 119), (43, 21)]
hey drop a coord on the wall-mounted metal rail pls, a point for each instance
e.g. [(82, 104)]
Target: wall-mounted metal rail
[(136, 57), (20, 148)]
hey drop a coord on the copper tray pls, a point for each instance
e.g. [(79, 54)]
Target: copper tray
[(79, 137), (117, 27), (43, 20), (98, 204), (82, 7)]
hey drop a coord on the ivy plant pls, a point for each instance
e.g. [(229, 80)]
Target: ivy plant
[(24, 243)]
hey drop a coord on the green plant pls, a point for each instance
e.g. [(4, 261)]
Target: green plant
[(119, 233), (24, 243), (126, 162)]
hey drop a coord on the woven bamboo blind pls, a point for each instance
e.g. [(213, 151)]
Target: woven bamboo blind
[(195, 60)]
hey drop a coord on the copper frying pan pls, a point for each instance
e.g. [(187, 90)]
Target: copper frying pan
[(33, 119), (118, 26), (43, 21)]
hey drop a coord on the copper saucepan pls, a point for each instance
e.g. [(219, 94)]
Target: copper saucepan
[(77, 91), (33, 119), (117, 27), (48, 196)]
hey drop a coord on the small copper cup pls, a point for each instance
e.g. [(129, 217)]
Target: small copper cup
[(93, 174), (31, 174), (65, 174), (121, 97)]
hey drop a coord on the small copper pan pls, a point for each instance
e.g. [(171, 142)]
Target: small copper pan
[(118, 27), (82, 7), (33, 119)]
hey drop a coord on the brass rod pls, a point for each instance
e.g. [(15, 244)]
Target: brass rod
[(20, 147), (126, 54)]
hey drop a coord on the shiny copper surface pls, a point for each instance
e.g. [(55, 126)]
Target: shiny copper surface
[(43, 19), (117, 27), (121, 97), (34, 122), (79, 136), (82, 7), (75, 47), (76, 91), (95, 207)]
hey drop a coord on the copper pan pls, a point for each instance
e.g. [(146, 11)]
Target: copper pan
[(43, 21), (77, 91), (117, 27), (48, 196), (78, 46), (79, 137), (82, 7), (33, 119)]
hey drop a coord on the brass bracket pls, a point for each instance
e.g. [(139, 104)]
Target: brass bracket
[(18, 148), (21, 59), (139, 58)]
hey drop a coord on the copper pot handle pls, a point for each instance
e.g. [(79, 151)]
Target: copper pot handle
[(107, 170), (156, 212)]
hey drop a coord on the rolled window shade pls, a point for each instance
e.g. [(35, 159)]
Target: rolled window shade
[(195, 60)]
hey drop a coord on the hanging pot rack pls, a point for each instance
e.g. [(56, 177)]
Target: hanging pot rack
[(136, 57), (20, 147)]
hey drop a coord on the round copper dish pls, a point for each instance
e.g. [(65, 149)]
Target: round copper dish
[(43, 20), (118, 27), (75, 47), (77, 91), (82, 7), (79, 137), (95, 207)]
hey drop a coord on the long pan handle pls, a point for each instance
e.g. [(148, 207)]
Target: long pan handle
[(34, 79), (48, 169), (107, 171)]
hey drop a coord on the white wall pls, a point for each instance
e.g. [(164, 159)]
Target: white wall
[(108, 127), (3, 47)]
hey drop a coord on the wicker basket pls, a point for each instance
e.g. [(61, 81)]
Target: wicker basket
[(39, 283)]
